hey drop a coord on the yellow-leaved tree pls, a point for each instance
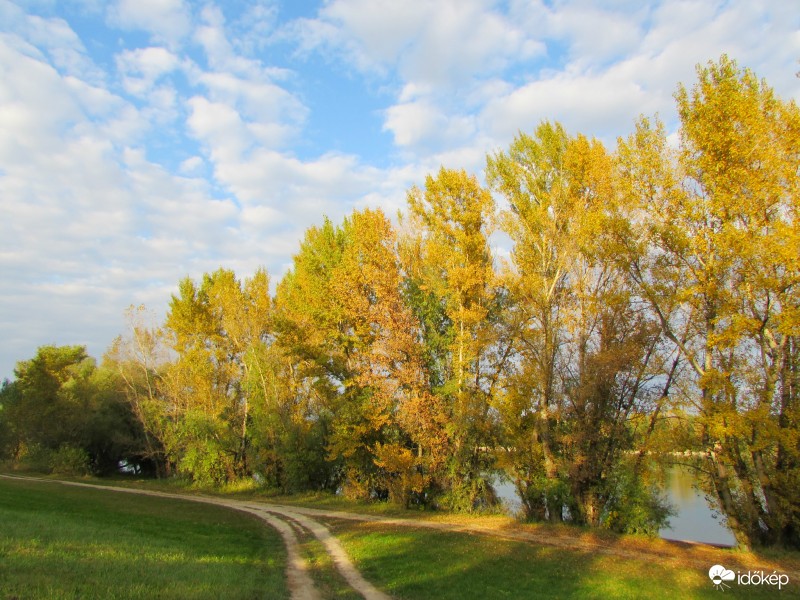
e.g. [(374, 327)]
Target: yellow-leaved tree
[(343, 320), (215, 330), (713, 249), (453, 290), (581, 347)]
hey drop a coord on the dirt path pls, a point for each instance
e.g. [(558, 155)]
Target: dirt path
[(694, 555), (299, 582), (343, 563)]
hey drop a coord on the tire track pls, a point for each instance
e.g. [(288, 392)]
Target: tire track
[(340, 558), (299, 582), (695, 555)]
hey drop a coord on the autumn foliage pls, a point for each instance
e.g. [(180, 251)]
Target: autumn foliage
[(648, 306)]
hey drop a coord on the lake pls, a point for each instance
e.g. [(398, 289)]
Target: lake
[(694, 521)]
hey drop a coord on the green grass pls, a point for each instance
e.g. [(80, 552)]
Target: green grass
[(65, 542), (408, 562), (417, 564), (327, 579)]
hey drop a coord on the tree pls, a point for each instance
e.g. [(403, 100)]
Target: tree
[(353, 343), (215, 330), (140, 359), (8, 397), (581, 346), (62, 413), (713, 250), (51, 398), (452, 283), (356, 358)]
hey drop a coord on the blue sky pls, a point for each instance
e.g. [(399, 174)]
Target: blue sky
[(145, 140)]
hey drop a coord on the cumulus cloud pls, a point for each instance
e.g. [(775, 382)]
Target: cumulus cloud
[(420, 123), (50, 37), (167, 21), (177, 140), (142, 67), (600, 105), (430, 42)]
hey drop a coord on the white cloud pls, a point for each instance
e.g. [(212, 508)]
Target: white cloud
[(299, 189), (256, 25), (167, 21), (242, 92), (219, 41), (38, 36), (142, 67), (599, 105), (191, 165), (589, 33), (430, 42), (760, 35), (378, 32), (258, 99), (421, 123), (443, 54), (220, 128), (464, 39), (412, 122)]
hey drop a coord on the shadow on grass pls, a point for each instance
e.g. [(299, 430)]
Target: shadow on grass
[(415, 563)]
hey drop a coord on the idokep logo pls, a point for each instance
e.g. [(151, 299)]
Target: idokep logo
[(720, 576)]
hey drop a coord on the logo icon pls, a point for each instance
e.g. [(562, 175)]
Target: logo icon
[(719, 575)]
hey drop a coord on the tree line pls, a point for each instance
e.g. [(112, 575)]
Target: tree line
[(649, 304)]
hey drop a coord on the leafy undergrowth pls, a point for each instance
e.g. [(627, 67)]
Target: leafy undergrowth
[(65, 542)]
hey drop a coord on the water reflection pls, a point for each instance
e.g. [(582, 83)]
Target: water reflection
[(694, 521)]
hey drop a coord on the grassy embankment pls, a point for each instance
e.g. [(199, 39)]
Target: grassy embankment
[(420, 563), (415, 563), (62, 542)]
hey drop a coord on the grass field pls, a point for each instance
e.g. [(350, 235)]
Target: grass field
[(418, 564), (61, 542)]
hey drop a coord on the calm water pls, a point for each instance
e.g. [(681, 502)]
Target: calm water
[(693, 522)]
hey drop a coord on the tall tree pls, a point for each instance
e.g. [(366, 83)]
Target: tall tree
[(581, 345), (448, 260), (214, 329), (716, 258), (140, 358), (342, 318)]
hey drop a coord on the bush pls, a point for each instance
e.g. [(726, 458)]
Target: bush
[(70, 460), (636, 506), (67, 460)]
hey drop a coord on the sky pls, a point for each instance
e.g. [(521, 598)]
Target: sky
[(143, 141)]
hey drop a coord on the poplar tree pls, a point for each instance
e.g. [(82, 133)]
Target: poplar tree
[(582, 347), (714, 251), (213, 328), (353, 342), (448, 260)]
